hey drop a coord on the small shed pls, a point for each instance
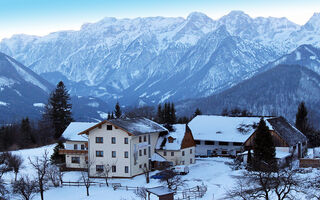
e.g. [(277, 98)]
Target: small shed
[(162, 192)]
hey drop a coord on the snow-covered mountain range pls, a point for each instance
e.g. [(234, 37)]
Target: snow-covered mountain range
[(23, 93), (156, 59)]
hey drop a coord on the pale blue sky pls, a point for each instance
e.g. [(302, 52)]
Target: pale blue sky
[(40, 17)]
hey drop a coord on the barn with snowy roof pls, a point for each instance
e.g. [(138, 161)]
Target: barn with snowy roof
[(226, 136)]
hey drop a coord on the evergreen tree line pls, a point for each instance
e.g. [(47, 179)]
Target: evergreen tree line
[(56, 117), (166, 114)]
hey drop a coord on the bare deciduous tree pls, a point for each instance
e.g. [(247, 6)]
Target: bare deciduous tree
[(53, 175), (261, 185), (106, 172), (25, 188), (41, 164), (146, 172), (85, 176), (15, 163), (4, 163), (141, 192), (172, 179), (3, 190)]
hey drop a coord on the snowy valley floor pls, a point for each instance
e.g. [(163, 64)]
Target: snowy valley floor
[(213, 172)]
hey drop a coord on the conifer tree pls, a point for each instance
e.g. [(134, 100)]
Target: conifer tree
[(197, 112), (117, 111), (26, 132), (172, 118), (263, 147), (59, 109), (160, 114), (56, 158), (302, 118)]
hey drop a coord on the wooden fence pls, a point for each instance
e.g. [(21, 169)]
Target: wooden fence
[(115, 186), (191, 193), (305, 162)]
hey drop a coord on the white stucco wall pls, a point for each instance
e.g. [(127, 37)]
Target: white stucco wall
[(202, 148), (81, 165), (144, 159), (120, 147), (177, 158)]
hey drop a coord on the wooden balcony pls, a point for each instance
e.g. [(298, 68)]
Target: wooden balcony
[(71, 151)]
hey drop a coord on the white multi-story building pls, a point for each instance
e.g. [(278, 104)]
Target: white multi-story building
[(177, 147), (76, 146), (123, 146)]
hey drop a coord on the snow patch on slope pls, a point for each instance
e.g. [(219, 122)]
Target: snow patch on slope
[(28, 77), (3, 103)]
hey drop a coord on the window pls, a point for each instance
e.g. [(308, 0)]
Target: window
[(145, 138), (190, 160), (198, 141), (224, 152), (114, 168), (190, 151), (75, 146), (182, 153), (99, 153), (144, 151), (164, 153), (140, 139), (140, 166), (209, 142), (82, 147), (182, 162), (109, 127), (99, 139), (224, 143), (237, 144), (99, 168), (140, 152), (114, 154), (75, 160), (126, 140), (145, 165), (126, 154), (113, 140), (126, 169), (172, 153)]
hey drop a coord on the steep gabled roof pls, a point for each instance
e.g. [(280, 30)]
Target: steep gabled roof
[(224, 128), (71, 132), (138, 126), (133, 126), (286, 131), (177, 135)]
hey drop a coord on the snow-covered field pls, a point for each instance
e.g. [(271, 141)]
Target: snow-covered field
[(213, 172)]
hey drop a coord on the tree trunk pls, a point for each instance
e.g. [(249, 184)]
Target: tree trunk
[(87, 191), (15, 176), (107, 182)]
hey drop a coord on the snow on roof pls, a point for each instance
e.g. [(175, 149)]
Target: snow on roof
[(177, 135), (157, 157), (71, 132), (281, 154), (223, 128), (138, 126), (160, 190)]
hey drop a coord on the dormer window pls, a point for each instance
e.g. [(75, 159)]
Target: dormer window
[(109, 127), (170, 139)]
